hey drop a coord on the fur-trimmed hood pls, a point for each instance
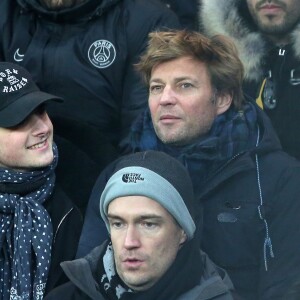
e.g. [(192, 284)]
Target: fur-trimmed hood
[(231, 18)]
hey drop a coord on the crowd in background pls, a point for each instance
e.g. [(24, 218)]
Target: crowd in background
[(124, 71)]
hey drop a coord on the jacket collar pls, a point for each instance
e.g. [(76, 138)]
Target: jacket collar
[(231, 18), (213, 282), (244, 161), (81, 272)]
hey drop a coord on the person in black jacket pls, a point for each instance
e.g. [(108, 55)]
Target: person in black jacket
[(267, 35), (246, 185), (40, 226), (153, 250)]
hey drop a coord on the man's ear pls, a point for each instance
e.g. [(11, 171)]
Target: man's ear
[(183, 238), (223, 103)]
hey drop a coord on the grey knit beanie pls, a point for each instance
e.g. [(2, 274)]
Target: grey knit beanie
[(155, 175)]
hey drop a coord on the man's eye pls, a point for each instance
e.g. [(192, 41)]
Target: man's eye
[(116, 224), (149, 225), (155, 89), (185, 85)]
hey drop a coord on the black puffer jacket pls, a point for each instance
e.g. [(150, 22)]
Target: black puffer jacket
[(85, 54), (261, 60)]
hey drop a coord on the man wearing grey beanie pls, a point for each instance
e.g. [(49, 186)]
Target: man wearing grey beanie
[(153, 249)]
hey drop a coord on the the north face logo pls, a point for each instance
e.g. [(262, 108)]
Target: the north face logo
[(132, 177)]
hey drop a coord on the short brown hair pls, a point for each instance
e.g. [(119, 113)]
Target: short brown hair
[(218, 53)]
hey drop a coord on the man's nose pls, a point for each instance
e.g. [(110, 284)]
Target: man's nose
[(132, 238), (168, 96), (40, 123)]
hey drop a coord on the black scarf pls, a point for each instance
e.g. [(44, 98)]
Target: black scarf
[(26, 231), (183, 275)]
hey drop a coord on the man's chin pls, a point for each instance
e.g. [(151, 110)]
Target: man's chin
[(173, 141), (139, 285)]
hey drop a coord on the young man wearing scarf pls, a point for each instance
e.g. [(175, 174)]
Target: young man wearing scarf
[(246, 185), (39, 225), (153, 250)]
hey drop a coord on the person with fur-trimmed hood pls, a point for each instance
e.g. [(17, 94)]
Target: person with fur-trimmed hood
[(267, 35)]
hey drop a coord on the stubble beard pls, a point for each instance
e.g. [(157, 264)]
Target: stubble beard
[(175, 139), (180, 137), (282, 29)]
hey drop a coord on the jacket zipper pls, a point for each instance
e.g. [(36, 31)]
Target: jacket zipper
[(60, 223)]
